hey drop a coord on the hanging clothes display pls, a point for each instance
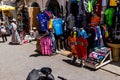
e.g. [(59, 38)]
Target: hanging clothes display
[(82, 32), (113, 3), (57, 24), (104, 2), (97, 8), (95, 20), (50, 24), (90, 6), (109, 13), (81, 7), (53, 41), (98, 39), (43, 18)]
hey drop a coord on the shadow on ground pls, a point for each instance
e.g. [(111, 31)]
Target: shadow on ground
[(10, 43), (78, 65), (70, 62), (37, 54), (117, 63)]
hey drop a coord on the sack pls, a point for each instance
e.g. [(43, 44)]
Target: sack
[(42, 74), (3, 31)]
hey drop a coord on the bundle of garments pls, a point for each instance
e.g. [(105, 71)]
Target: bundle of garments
[(97, 56)]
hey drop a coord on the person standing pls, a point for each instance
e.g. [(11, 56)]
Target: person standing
[(3, 32), (15, 35)]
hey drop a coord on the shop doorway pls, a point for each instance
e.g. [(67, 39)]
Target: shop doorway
[(34, 10), (54, 7)]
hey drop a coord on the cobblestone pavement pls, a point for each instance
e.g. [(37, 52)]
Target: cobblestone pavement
[(16, 61)]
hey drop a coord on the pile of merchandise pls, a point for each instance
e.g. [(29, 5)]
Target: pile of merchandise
[(96, 57)]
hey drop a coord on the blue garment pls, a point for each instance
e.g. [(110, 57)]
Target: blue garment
[(53, 41), (98, 31), (104, 2), (98, 41), (43, 18), (58, 26), (82, 33)]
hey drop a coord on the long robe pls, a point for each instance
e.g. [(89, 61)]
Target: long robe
[(15, 36)]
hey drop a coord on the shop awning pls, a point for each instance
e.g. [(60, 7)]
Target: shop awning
[(6, 7)]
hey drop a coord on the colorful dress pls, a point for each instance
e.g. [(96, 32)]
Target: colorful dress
[(46, 45)]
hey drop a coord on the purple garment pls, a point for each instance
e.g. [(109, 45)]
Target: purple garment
[(46, 45)]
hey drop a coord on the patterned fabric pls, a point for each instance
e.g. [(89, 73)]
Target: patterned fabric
[(53, 41), (46, 45), (43, 18), (49, 14), (98, 38), (72, 40), (106, 34), (97, 56)]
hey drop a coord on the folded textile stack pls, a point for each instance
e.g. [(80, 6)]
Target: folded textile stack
[(95, 57)]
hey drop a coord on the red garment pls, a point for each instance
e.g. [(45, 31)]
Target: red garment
[(98, 8), (49, 14), (82, 48)]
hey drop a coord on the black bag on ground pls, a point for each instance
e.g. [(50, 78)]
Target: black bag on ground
[(42, 74)]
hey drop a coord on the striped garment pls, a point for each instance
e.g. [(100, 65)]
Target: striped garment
[(46, 45)]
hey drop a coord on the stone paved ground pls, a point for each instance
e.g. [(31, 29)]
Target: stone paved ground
[(16, 61)]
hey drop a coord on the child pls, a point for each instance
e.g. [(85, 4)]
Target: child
[(81, 49), (72, 43), (3, 31)]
